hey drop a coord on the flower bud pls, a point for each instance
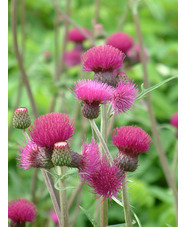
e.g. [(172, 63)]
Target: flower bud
[(99, 31), (21, 118), (61, 154)]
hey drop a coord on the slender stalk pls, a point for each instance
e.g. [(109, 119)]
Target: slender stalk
[(63, 198), (53, 197), (104, 202), (23, 23), (126, 206), (175, 160), (96, 16), (65, 16), (154, 127), (104, 145)]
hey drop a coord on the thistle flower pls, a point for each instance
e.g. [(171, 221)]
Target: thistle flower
[(54, 218), (133, 55), (106, 180), (21, 211), (73, 58), (124, 96), (130, 141), (103, 60), (76, 36), (21, 118), (34, 156), (120, 40), (51, 128), (92, 93)]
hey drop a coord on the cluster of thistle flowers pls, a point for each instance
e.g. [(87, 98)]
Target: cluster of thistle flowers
[(119, 40)]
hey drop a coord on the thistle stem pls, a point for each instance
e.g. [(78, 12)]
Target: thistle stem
[(103, 202), (126, 206), (63, 198), (162, 157)]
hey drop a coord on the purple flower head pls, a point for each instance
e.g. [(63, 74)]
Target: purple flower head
[(124, 96), (174, 120), (131, 140), (102, 59), (93, 91), (34, 156), (106, 180), (51, 128), (73, 58), (21, 211), (134, 52), (75, 35), (54, 218), (120, 40)]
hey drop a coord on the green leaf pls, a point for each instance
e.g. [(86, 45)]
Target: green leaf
[(94, 223), (146, 91), (137, 219)]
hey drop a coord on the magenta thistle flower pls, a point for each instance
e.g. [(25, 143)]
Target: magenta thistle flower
[(73, 58), (92, 93), (106, 180), (130, 141), (134, 54), (34, 156), (51, 128), (120, 40), (21, 211), (174, 120), (54, 218), (124, 96), (102, 59), (75, 35)]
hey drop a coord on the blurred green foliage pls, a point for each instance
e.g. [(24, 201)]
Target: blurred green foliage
[(150, 197)]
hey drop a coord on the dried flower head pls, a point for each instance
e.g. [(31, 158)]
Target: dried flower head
[(21, 211), (51, 128), (124, 96), (75, 35), (92, 93), (102, 59), (130, 141), (73, 58), (21, 118), (34, 156), (54, 218), (120, 40), (106, 180)]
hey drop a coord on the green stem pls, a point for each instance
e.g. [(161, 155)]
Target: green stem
[(126, 206), (63, 198), (103, 202)]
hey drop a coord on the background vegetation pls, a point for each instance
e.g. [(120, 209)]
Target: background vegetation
[(150, 196)]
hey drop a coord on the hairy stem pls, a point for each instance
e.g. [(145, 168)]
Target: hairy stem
[(154, 127), (103, 202), (63, 198), (126, 205)]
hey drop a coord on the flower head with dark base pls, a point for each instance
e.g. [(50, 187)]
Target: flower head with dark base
[(106, 180), (21, 211), (124, 96), (34, 156), (51, 128), (103, 60), (120, 40), (130, 141), (92, 93)]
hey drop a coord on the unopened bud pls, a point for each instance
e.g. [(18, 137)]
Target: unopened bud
[(99, 31), (21, 118), (61, 154)]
